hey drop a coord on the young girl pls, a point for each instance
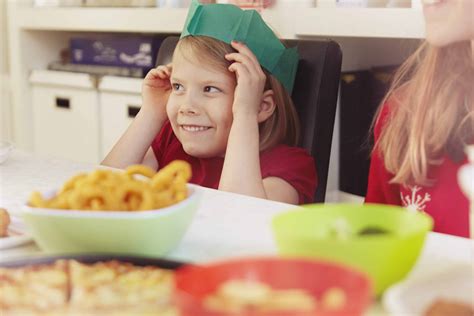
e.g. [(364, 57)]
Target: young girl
[(427, 120), (215, 107)]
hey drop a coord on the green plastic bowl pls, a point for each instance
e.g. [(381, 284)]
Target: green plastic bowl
[(330, 231), (148, 233)]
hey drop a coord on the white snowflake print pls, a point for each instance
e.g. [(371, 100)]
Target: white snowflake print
[(415, 202)]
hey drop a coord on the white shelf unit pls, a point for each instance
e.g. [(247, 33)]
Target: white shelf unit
[(289, 23), (146, 20), (368, 36)]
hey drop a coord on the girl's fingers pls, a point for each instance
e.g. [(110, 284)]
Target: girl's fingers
[(255, 71), (159, 74), (253, 65), (164, 70), (163, 75), (250, 70), (244, 50), (241, 58), (239, 69), (154, 73), (158, 77)]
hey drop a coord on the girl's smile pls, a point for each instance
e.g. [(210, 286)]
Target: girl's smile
[(194, 128)]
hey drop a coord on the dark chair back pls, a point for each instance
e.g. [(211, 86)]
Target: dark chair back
[(314, 94)]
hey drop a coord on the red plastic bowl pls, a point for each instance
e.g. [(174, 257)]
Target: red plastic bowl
[(194, 283)]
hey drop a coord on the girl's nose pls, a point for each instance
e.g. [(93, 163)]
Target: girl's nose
[(188, 106), (188, 110)]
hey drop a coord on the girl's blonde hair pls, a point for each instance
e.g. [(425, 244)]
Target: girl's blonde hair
[(280, 128), (431, 114)]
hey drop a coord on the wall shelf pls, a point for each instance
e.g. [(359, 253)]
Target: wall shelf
[(290, 23), (148, 20)]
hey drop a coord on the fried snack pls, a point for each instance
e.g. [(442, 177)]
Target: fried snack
[(118, 284), (334, 299), (4, 222), (288, 300), (140, 169), (137, 188), (37, 288), (240, 296), (243, 296)]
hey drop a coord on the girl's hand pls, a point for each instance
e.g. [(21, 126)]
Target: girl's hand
[(250, 80), (156, 89)]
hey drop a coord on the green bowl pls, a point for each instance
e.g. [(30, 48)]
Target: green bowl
[(148, 233), (331, 231)]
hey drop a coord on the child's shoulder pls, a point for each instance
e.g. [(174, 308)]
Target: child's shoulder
[(287, 153), (164, 139), (386, 110), (292, 164), (393, 101), (166, 131), (284, 148)]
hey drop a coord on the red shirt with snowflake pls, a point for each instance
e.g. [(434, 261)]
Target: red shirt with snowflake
[(443, 201), (292, 164)]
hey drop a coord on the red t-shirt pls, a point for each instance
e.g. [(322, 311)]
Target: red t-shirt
[(443, 201), (292, 164)]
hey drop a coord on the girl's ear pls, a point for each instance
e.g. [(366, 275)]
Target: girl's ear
[(267, 107)]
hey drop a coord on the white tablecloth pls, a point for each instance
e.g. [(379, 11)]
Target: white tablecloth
[(226, 224)]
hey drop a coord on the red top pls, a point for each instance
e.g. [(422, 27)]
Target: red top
[(292, 164), (443, 201)]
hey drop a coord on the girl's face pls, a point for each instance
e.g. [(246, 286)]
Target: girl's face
[(448, 21), (200, 106)]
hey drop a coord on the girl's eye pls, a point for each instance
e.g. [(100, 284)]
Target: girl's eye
[(211, 89), (177, 87)]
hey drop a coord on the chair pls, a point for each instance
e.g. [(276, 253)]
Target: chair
[(314, 94)]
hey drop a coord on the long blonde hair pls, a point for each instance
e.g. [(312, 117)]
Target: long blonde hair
[(431, 112), (280, 128)]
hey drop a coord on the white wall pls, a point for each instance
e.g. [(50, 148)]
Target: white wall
[(5, 107)]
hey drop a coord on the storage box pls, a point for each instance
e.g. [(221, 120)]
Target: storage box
[(65, 115), (120, 100), (132, 51)]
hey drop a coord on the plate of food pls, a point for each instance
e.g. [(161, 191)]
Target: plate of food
[(441, 292), (12, 231), (88, 284)]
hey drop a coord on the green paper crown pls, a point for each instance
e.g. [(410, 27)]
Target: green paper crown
[(227, 22)]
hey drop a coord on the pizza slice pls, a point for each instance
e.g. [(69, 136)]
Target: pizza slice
[(34, 289), (116, 285)]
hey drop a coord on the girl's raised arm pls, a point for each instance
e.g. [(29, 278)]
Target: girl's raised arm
[(134, 145), (241, 172)]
